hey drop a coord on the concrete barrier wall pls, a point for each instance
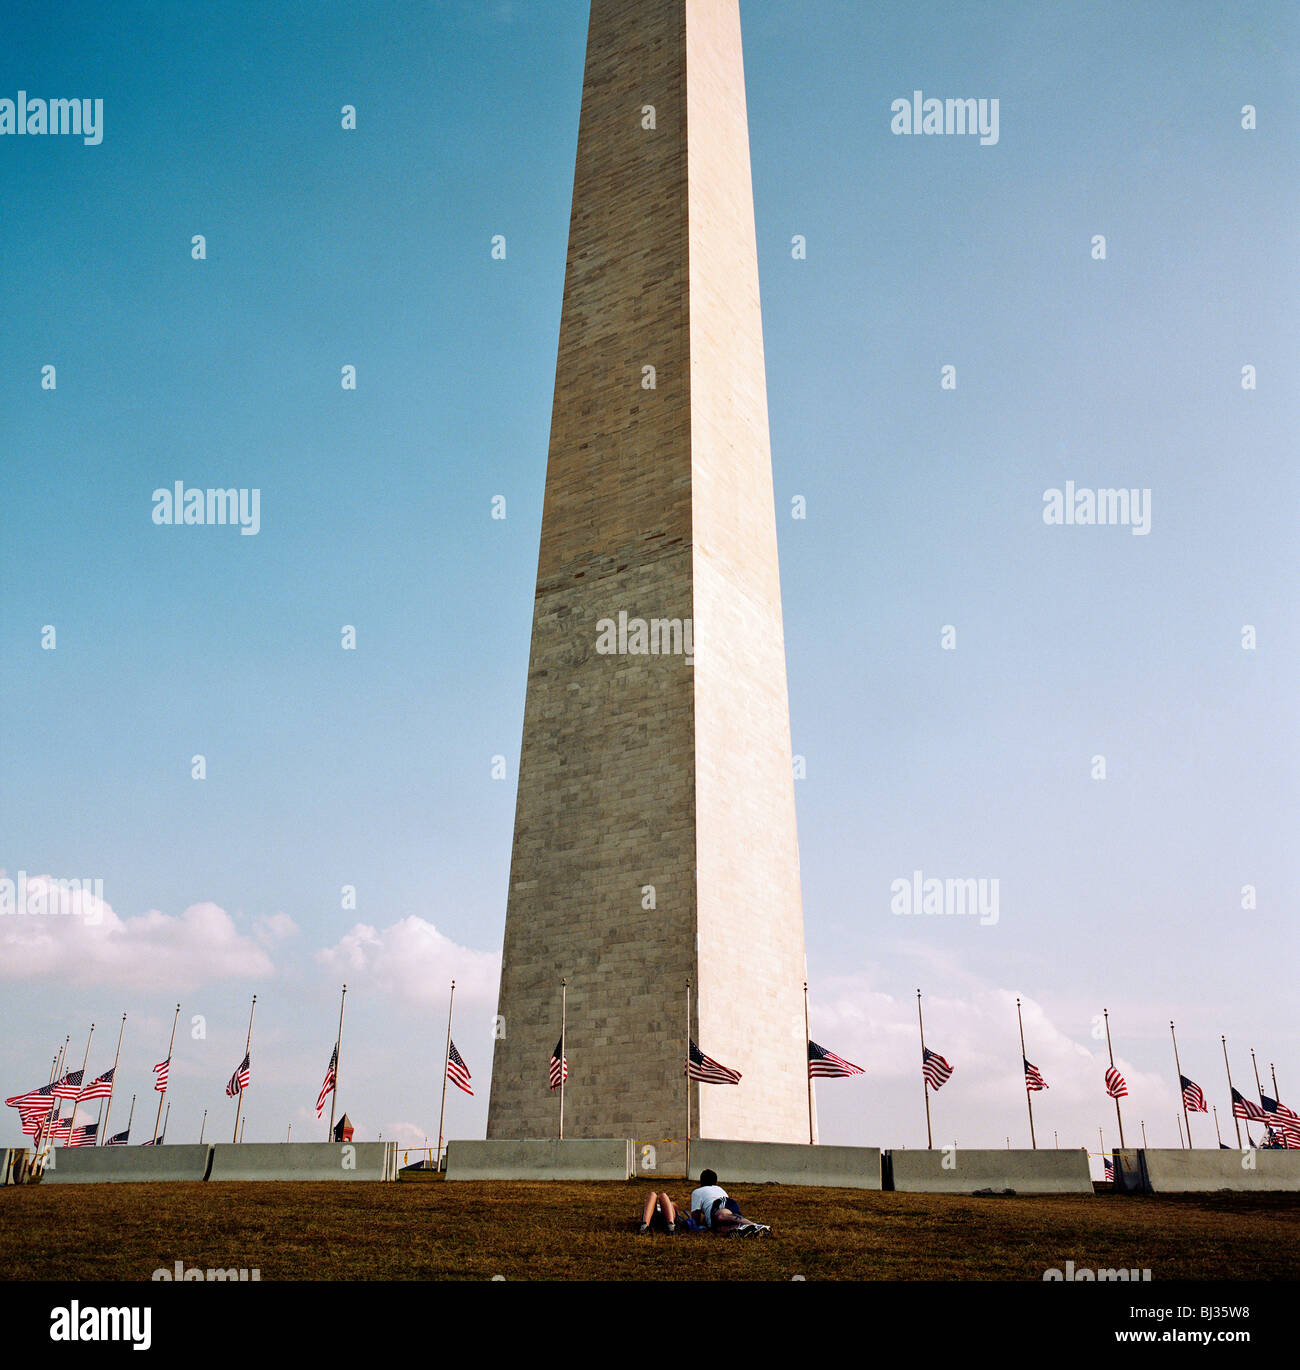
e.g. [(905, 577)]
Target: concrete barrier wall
[(661, 1160), (577, 1158), (1027, 1172), (1195, 1171), (13, 1164), (1129, 1178), (304, 1161), (125, 1164), (837, 1167)]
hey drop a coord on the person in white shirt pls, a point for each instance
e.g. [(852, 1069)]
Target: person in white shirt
[(710, 1208)]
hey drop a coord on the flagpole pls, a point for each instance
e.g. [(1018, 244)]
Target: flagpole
[(1259, 1089), (1029, 1097), (1277, 1098), (56, 1103), (564, 1013), (1217, 1133), (812, 1140), (925, 1082), (36, 1140), (1143, 1123), (130, 1118), (1181, 1096), (446, 1061), (1110, 1051), (167, 1117), (106, 1108), (338, 1053), (84, 1062), (248, 1048), (203, 1126), (688, 1079), (162, 1093), (1231, 1091)]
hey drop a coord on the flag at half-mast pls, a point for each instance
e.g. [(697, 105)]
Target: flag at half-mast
[(84, 1135), (1033, 1076), (239, 1080), (559, 1067), (33, 1099), (99, 1088), (1108, 1165), (708, 1071), (70, 1086), (1246, 1108), (34, 1104), (935, 1069), (119, 1138), (161, 1070), (1193, 1098), (1115, 1085), (1284, 1122), (331, 1075), (825, 1065), (457, 1070), (59, 1130)]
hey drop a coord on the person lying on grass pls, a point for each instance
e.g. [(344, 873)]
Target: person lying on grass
[(712, 1210)]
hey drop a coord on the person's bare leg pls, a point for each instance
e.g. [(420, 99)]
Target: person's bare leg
[(668, 1209), (724, 1220), (650, 1205)]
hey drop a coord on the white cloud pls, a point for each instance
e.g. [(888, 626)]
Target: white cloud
[(414, 961), (975, 1029), (269, 930), (80, 940)]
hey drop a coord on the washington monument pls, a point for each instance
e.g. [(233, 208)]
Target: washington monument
[(655, 839)]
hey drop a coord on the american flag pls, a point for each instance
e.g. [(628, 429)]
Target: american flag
[(84, 1136), (99, 1088), (33, 1096), (1033, 1077), (825, 1065), (119, 1139), (1246, 1108), (161, 1070), (151, 1141), (1115, 1085), (1108, 1165), (457, 1070), (935, 1069), (559, 1065), (331, 1074), (1193, 1098), (33, 1123), (707, 1070), (59, 1130), (239, 1080), (1283, 1121), (69, 1087), (36, 1104)]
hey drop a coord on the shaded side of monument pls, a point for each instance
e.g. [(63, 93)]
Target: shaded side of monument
[(655, 837)]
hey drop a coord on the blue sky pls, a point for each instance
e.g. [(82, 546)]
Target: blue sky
[(372, 768)]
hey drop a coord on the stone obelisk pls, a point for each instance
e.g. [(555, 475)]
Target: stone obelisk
[(655, 839)]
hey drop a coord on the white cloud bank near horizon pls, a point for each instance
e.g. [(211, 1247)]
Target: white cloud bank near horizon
[(78, 939)]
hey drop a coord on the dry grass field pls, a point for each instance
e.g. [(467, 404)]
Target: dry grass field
[(470, 1231)]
